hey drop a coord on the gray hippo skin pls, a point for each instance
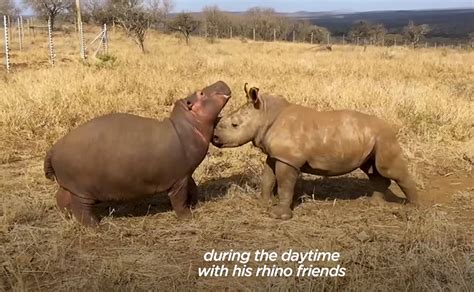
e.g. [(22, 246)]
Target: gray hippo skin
[(122, 157), (298, 139)]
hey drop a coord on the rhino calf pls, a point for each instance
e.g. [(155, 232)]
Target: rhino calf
[(301, 139)]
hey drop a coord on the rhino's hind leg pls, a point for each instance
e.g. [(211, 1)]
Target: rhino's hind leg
[(379, 183), (82, 209), (286, 177), (179, 198), (389, 162)]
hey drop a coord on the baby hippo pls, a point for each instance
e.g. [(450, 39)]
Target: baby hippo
[(301, 139), (124, 157)]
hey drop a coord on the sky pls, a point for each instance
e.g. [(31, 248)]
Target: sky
[(328, 5)]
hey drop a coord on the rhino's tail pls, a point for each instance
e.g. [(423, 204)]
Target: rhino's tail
[(48, 166)]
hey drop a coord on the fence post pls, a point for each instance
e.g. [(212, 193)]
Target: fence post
[(22, 27), (231, 32), (328, 40), (50, 41), (312, 36), (343, 39), (253, 30), (6, 39), (105, 39), (294, 38), (81, 40), (20, 40), (274, 34)]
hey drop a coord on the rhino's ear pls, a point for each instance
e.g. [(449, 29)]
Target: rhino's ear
[(253, 95)]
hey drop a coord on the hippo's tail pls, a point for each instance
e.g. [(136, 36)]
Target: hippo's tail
[(48, 166)]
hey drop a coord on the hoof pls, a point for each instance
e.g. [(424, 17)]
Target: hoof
[(280, 212), (377, 200), (184, 215), (264, 203)]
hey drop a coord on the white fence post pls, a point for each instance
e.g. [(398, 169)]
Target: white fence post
[(7, 48), (81, 36), (50, 42)]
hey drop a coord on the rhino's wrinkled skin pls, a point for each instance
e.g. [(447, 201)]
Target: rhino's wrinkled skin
[(301, 139), (121, 157)]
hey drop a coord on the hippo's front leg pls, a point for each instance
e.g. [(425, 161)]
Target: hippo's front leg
[(268, 182), (179, 198), (286, 177)]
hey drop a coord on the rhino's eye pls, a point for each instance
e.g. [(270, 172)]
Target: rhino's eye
[(235, 125)]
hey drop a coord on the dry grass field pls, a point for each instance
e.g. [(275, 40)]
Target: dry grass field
[(428, 94)]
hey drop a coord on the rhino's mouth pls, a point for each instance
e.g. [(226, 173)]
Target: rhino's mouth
[(216, 142)]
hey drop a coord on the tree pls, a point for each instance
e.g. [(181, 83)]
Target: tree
[(320, 34), (159, 10), (97, 11), (215, 21), (50, 8), (133, 17), (377, 33), (414, 33), (360, 30), (7, 7), (185, 24)]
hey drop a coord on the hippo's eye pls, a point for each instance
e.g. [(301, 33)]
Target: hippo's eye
[(235, 125)]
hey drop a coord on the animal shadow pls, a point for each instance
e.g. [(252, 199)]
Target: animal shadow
[(340, 188), (208, 190)]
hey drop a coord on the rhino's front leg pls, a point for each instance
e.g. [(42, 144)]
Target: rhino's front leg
[(193, 193), (268, 182), (179, 198), (286, 177)]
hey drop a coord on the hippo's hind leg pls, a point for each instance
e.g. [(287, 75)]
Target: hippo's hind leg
[(82, 209), (178, 195), (389, 163), (286, 177), (63, 199)]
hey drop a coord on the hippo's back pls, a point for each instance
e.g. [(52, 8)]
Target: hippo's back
[(117, 157)]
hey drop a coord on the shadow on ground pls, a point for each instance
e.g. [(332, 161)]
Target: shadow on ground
[(209, 190), (340, 188), (317, 188)]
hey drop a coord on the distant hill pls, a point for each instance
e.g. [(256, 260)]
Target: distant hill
[(448, 23)]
